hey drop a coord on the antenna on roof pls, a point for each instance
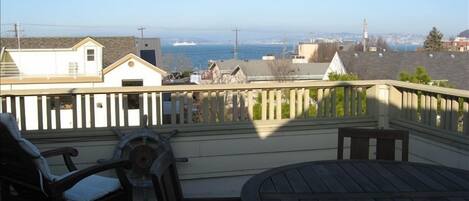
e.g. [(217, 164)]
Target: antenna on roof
[(235, 50), (141, 31)]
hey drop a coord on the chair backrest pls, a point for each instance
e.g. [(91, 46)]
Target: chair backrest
[(21, 162), (385, 143), (165, 177)]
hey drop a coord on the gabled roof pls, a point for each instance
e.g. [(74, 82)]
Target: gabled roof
[(226, 66), (261, 70), (114, 47), (135, 57), (452, 66)]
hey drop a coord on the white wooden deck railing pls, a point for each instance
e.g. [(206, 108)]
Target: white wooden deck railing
[(85, 108)]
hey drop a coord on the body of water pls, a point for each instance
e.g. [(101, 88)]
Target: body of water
[(200, 54)]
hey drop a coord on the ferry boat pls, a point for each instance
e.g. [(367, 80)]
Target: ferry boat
[(184, 43)]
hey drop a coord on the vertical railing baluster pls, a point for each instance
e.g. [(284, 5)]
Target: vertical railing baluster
[(409, 105), (333, 94), (271, 104), (13, 105), (306, 104), (213, 106), (405, 106), (22, 114), (346, 101), (92, 113), (173, 107), (190, 103), (359, 101), (117, 109), (292, 103), (320, 103), (125, 104), (205, 107), (57, 112), (466, 117), (299, 103), (433, 110), (278, 99), (448, 114), (442, 112), (454, 114), (150, 108), (353, 102), (159, 109), (422, 108), (250, 105), (4, 104), (74, 111), (264, 104), (182, 96), (414, 106), (83, 110), (108, 111), (242, 106), (235, 114), (49, 112), (427, 109), (141, 111), (326, 102), (40, 116), (221, 106)]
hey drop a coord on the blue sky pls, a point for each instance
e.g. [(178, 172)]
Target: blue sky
[(207, 18)]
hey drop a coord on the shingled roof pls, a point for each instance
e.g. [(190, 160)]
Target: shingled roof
[(451, 66), (261, 70), (114, 47)]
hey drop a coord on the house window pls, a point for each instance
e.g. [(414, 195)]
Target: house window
[(90, 54), (132, 99)]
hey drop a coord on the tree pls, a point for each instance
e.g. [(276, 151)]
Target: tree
[(433, 41), (176, 62), (420, 76), (281, 69), (380, 44)]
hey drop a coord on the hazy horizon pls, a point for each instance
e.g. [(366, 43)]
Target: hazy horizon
[(215, 20)]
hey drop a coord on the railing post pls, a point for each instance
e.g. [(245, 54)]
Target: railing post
[(379, 96), (395, 103)]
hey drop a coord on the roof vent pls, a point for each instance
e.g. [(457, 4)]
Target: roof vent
[(430, 55), (452, 56), (380, 54), (355, 54)]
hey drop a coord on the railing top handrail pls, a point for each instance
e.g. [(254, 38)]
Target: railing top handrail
[(428, 88), (178, 88), (217, 87)]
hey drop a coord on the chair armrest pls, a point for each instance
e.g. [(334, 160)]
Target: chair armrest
[(66, 152), (70, 180)]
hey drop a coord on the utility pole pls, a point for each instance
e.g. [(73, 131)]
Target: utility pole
[(235, 51), (141, 31), (16, 30)]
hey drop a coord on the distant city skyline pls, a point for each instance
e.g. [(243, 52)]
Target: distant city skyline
[(210, 19)]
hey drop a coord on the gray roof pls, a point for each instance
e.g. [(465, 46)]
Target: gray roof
[(114, 47), (261, 70), (227, 66), (451, 66)]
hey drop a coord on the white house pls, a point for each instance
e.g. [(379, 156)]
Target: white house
[(45, 63)]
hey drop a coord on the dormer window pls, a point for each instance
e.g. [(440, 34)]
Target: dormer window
[(90, 55)]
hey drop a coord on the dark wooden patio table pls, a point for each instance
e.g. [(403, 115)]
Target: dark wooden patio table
[(358, 180)]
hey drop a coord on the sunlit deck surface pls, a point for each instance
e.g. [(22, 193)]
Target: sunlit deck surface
[(231, 132)]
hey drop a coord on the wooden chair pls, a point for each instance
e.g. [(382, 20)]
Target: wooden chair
[(385, 143), (166, 181), (25, 174)]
